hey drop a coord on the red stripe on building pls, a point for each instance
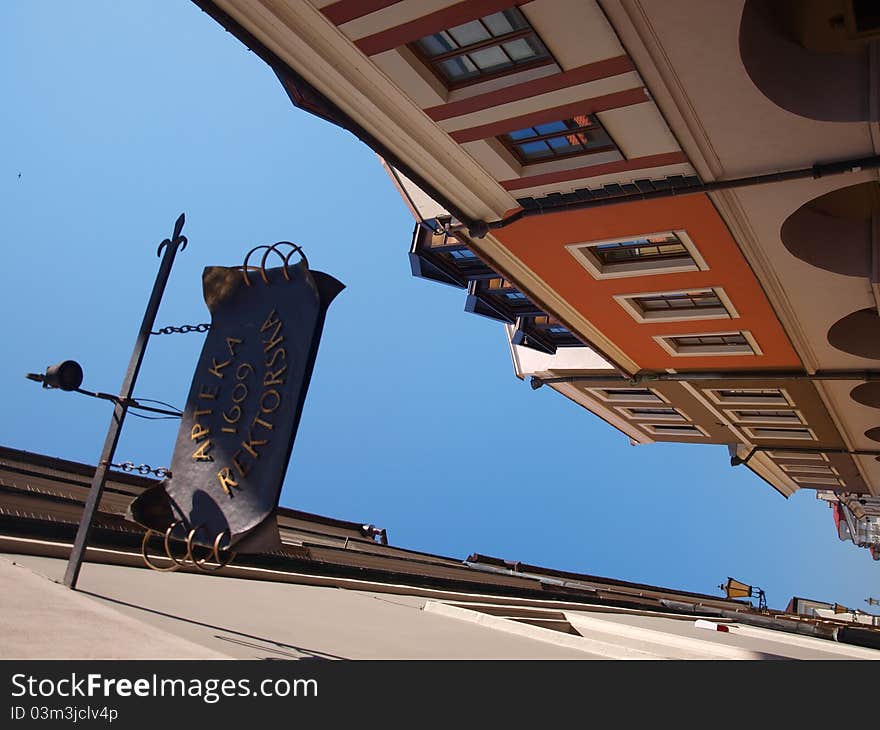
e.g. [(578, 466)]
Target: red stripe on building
[(587, 106), (637, 163), (439, 20), (580, 75), (344, 10)]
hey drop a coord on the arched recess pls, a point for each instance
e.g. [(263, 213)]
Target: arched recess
[(857, 333), (813, 58), (868, 394), (834, 231)]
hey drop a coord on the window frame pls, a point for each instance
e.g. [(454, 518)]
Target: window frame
[(641, 399), (686, 430), (598, 270), (511, 145), (726, 310), (630, 414), (749, 400), (432, 63), (759, 433), (668, 344)]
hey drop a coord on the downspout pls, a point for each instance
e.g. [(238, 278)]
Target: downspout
[(818, 170)]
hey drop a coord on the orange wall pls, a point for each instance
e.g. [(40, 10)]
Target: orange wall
[(539, 242)]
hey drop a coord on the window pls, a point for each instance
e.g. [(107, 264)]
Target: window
[(750, 396), (626, 395), (766, 416), (491, 46), (654, 253), (809, 468), (669, 430), (677, 305), (789, 434), (809, 481), (713, 343), (804, 455), (652, 414), (580, 135)]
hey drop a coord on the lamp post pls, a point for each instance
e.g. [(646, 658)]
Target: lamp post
[(68, 376)]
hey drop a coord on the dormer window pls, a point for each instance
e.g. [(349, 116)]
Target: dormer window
[(491, 46)]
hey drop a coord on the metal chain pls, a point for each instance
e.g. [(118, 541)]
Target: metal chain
[(184, 329), (128, 466)]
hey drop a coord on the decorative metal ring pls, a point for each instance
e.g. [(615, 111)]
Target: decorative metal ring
[(262, 269), (202, 564), (285, 260), (168, 569), (189, 548), (295, 249), (180, 563)]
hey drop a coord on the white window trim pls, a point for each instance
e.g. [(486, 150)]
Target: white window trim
[(810, 469), (677, 417), (797, 418), (649, 428), (726, 311), (636, 268), (715, 395), (820, 480), (802, 455), (792, 434), (710, 350), (599, 394)]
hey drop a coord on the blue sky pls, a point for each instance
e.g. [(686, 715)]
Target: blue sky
[(121, 115)]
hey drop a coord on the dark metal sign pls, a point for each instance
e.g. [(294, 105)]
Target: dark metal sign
[(244, 406)]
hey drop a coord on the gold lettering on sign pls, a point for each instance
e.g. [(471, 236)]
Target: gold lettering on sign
[(231, 342), (239, 393), (274, 399), (272, 321), (201, 453), (260, 422), (226, 480), (218, 366), (206, 392), (199, 431), (203, 412), (251, 443), (280, 353), (237, 464), (233, 415)]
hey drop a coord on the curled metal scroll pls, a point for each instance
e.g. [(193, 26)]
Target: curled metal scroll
[(222, 556), (285, 260)]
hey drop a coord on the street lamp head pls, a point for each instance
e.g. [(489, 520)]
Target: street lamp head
[(67, 375)]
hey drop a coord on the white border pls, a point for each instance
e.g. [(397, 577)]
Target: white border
[(796, 420), (636, 268), (726, 311), (599, 394), (824, 468), (649, 428), (710, 350), (802, 455), (792, 435), (745, 400), (808, 480), (677, 417)]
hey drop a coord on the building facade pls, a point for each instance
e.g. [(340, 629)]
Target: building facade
[(671, 207)]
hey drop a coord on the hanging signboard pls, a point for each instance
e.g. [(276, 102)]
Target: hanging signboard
[(244, 406)]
